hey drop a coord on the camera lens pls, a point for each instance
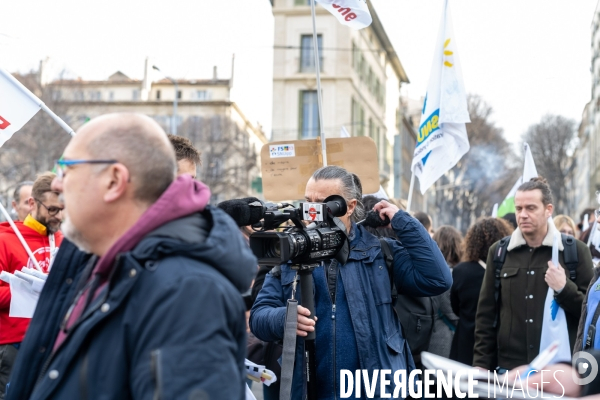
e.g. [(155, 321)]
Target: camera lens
[(274, 248)]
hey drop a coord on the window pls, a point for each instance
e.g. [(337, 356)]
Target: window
[(179, 95), (158, 95), (111, 96), (302, 2), (309, 114), (201, 95), (135, 95), (307, 55), (95, 95), (78, 95), (56, 94), (358, 119)]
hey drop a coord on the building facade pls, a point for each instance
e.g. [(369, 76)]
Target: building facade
[(361, 76), (230, 144)]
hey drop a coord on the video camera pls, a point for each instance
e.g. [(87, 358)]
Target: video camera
[(324, 238)]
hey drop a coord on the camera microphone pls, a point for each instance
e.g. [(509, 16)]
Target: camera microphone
[(374, 220), (247, 211)]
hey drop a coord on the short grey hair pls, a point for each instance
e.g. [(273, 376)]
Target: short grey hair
[(349, 184), (17, 193), (148, 157)]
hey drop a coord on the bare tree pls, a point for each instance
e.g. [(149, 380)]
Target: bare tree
[(551, 142), (229, 162), (482, 177), (35, 147)]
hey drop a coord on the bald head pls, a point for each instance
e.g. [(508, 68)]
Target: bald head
[(137, 142)]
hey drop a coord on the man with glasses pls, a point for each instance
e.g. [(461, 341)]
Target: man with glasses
[(40, 230), (157, 310)]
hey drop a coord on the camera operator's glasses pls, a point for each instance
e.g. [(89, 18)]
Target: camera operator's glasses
[(52, 210), (597, 213), (61, 165)]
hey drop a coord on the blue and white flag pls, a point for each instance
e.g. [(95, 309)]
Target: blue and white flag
[(554, 322), (442, 138)]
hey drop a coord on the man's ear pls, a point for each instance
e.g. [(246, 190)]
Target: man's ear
[(31, 203), (351, 207), (549, 209), (115, 182)]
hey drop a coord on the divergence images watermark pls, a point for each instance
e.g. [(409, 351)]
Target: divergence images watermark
[(461, 384)]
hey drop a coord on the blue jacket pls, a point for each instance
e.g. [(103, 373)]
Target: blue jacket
[(170, 324), (419, 270)]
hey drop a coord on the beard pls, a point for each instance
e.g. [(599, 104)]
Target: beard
[(52, 224), (75, 236)]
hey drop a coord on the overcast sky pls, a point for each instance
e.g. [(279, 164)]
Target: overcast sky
[(524, 57)]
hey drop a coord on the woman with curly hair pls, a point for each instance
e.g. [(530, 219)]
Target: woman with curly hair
[(468, 276)]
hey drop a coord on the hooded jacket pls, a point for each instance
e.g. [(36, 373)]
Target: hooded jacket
[(523, 290), (362, 330), (13, 257), (170, 321)]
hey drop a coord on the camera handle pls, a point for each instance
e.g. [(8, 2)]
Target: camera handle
[(308, 302)]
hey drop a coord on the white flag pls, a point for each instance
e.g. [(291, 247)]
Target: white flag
[(529, 169), (353, 13), (554, 322), (17, 106), (442, 138)]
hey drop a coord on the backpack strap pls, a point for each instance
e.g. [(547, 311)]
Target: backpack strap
[(591, 334), (570, 255), (389, 261), (499, 258)]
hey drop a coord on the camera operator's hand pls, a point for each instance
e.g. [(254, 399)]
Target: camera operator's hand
[(386, 209), (305, 324)]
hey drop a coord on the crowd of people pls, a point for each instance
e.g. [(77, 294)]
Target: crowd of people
[(152, 292)]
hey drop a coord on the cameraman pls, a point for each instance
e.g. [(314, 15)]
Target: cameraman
[(356, 327)]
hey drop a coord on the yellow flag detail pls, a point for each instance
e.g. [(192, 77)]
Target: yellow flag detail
[(448, 64)]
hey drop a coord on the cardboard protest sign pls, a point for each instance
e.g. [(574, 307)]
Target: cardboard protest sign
[(287, 165)]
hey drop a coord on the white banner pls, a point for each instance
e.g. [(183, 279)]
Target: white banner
[(442, 137), (17, 106), (352, 13)]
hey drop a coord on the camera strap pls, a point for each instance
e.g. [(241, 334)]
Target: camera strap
[(289, 349)]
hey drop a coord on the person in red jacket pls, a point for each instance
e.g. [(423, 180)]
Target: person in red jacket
[(40, 229)]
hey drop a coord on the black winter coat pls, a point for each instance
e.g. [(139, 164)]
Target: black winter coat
[(464, 296), (170, 325)]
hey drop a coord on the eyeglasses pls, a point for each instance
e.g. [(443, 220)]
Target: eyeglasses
[(597, 213), (52, 210), (61, 165)]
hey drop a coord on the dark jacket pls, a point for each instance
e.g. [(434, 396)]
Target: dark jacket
[(419, 270), (584, 312), (523, 292), (54, 301), (169, 325), (464, 295)]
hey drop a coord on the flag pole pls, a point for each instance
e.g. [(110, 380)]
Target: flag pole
[(37, 101), (410, 192), (318, 68), (23, 242)]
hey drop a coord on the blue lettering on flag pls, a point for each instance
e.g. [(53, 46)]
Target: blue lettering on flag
[(431, 124), (424, 159)]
